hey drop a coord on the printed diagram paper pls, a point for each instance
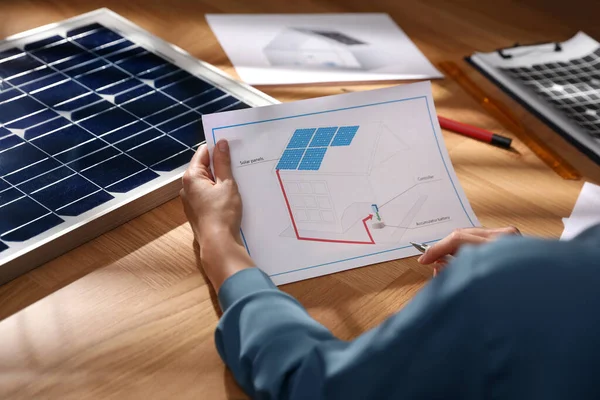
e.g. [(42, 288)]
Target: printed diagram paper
[(341, 181), (308, 48), (586, 212)]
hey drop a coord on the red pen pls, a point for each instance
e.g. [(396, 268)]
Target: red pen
[(475, 133)]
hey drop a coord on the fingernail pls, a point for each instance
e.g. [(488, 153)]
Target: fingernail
[(420, 259), (223, 145)]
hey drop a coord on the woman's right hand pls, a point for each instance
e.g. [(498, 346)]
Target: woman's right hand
[(453, 242)]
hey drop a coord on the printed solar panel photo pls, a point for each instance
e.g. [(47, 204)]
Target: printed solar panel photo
[(92, 119), (572, 87)]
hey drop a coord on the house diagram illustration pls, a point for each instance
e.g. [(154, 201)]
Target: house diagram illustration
[(338, 184), (322, 48)]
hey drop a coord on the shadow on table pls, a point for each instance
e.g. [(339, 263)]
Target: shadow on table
[(134, 242)]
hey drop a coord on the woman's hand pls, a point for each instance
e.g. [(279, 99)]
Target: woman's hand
[(453, 242), (213, 207)]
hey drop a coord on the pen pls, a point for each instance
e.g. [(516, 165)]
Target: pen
[(475, 132), (422, 247)]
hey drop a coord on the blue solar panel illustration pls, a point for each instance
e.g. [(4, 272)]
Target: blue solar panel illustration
[(87, 115), (312, 159), (344, 136), (290, 159), (323, 137), (301, 138), (313, 143)]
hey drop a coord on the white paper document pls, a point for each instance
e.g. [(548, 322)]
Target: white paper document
[(342, 181), (586, 212), (308, 48)]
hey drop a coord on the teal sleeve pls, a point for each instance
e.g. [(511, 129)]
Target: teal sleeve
[(277, 351)]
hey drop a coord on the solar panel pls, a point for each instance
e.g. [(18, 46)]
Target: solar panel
[(95, 114), (312, 159), (290, 159), (572, 87), (307, 147), (323, 137), (344, 136), (301, 138)]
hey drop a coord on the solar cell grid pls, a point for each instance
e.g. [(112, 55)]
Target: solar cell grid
[(290, 159), (344, 136), (571, 86), (301, 138), (307, 147), (125, 113), (312, 159)]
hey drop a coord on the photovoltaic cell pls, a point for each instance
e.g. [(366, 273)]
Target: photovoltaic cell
[(313, 157), (19, 157), (45, 179), (86, 114), (290, 159), (204, 98), (80, 151), (8, 195), (148, 104), (85, 204), (217, 105), (155, 151), (141, 62), (300, 138), (18, 65), (64, 192), (21, 212), (28, 231), (344, 136), (118, 56), (21, 107), (113, 47), (98, 38), (10, 141), (43, 42), (58, 52), (30, 76), (29, 172), (62, 139), (173, 162)]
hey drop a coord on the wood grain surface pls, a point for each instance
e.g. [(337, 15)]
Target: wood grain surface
[(129, 314)]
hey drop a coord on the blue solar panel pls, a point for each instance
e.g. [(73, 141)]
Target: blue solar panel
[(313, 143), (290, 159), (301, 138), (344, 136), (323, 137), (87, 114), (312, 159)]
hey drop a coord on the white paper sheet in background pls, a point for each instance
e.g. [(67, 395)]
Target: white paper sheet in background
[(340, 182), (586, 212), (268, 49)]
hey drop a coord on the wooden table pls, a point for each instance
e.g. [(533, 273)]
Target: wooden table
[(129, 315)]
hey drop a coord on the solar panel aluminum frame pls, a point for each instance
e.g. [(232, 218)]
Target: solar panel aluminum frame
[(23, 257)]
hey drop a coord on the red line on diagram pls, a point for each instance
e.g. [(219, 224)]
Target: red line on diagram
[(287, 203)]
